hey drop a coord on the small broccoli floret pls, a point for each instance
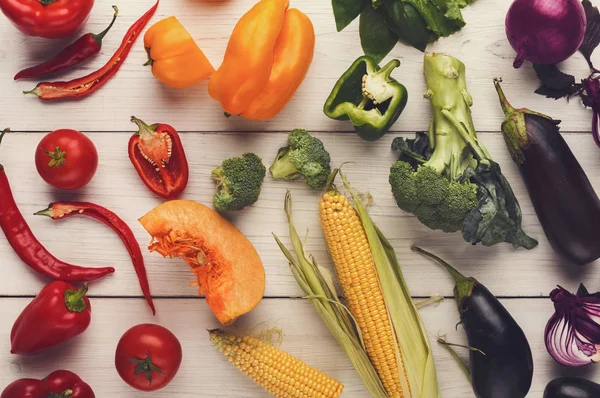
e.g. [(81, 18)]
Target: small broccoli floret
[(437, 202), (238, 182), (305, 156)]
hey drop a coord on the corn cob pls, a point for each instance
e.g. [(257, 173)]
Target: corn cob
[(357, 274), (278, 372)]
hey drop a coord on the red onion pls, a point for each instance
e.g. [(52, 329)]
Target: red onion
[(545, 31), (573, 333)]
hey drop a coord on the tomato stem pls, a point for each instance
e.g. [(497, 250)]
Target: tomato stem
[(74, 299), (146, 367), (58, 157)]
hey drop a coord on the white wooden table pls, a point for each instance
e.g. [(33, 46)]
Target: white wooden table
[(520, 278)]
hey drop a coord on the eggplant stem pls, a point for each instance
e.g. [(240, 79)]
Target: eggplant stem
[(506, 106), (457, 276), (458, 360)]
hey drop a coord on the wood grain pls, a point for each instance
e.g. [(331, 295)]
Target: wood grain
[(481, 44), (204, 373), (507, 272)]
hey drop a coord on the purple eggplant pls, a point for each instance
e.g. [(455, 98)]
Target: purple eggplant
[(572, 387), (564, 200)]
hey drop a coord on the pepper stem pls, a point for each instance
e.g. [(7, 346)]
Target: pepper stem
[(74, 299), (387, 70), (46, 2), (57, 158), (67, 394), (98, 37), (144, 129), (150, 60), (6, 130), (506, 106), (146, 367), (48, 212)]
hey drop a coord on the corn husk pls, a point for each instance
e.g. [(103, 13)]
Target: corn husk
[(411, 336), (412, 344), (317, 284)]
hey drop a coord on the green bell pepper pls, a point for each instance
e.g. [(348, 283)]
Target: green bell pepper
[(368, 97)]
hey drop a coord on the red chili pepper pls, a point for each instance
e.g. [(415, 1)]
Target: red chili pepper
[(83, 48), (58, 384), (62, 210), (157, 155), (88, 84), (57, 314), (52, 19), (29, 249)]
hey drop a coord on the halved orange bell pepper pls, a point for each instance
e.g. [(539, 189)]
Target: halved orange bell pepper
[(267, 58), (175, 57)]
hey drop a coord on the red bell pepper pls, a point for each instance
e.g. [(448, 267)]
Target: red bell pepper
[(58, 384), (157, 155), (58, 313), (52, 19)]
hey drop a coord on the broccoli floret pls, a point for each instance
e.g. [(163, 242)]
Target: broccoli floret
[(304, 156), (238, 182), (437, 202)]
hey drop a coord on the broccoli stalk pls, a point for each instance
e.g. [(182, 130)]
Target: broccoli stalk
[(304, 156), (448, 178), (238, 182)]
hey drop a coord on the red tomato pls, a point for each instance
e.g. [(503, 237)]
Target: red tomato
[(148, 357), (66, 159)]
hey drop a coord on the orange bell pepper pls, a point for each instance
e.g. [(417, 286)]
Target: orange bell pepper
[(267, 58), (175, 57)]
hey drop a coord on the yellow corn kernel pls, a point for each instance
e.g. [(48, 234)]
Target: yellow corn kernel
[(357, 274), (278, 372)]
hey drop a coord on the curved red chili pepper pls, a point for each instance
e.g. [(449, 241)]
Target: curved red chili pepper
[(83, 48), (60, 383), (29, 249), (158, 157), (90, 83), (61, 210)]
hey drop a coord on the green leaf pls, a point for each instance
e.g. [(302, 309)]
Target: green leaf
[(346, 11), (443, 17), (376, 37), (497, 217), (406, 22)]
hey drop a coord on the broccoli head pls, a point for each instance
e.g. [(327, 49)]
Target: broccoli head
[(238, 182), (436, 201), (304, 156), (447, 178)]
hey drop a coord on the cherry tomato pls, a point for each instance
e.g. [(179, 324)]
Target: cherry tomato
[(66, 159), (148, 357)]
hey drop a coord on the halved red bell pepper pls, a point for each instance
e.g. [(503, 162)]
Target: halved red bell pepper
[(157, 155), (52, 19), (59, 384)]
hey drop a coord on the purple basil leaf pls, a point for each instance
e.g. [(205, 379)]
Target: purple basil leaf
[(592, 32), (555, 84)]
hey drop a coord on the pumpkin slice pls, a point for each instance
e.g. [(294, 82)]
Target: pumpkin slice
[(229, 271)]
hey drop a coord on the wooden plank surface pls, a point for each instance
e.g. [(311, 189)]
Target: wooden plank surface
[(482, 45), (522, 278), (204, 373), (508, 272)]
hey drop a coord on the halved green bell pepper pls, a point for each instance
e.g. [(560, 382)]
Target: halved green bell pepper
[(368, 97)]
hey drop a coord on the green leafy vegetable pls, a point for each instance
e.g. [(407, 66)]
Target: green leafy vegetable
[(416, 22), (376, 38), (238, 182), (346, 11), (447, 178)]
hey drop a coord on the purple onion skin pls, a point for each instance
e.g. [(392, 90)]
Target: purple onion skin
[(572, 387), (545, 31), (562, 195)]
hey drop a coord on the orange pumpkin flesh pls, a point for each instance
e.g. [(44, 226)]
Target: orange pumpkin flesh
[(229, 271)]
